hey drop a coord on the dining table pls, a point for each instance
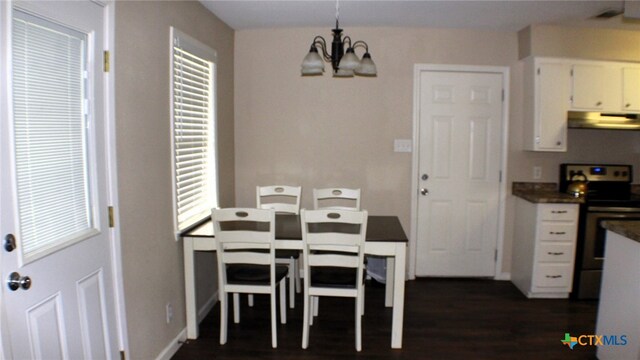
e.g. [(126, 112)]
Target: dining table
[(385, 237)]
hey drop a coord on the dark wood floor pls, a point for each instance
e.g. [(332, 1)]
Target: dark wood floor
[(444, 319)]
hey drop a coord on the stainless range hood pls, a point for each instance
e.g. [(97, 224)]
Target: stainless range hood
[(604, 121)]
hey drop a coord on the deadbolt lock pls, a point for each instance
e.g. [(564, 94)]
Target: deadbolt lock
[(9, 242)]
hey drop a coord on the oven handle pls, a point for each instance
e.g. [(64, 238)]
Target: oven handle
[(613, 209)]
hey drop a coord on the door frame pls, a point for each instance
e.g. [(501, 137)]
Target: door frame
[(419, 69), (111, 163)]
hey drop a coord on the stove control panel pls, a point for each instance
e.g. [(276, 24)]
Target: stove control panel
[(615, 173)]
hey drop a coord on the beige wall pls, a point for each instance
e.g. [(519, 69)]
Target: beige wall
[(321, 131), (152, 259), (580, 42)]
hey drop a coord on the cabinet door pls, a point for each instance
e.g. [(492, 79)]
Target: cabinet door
[(551, 107), (631, 89), (588, 87)]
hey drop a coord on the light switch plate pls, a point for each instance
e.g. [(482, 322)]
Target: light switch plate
[(402, 145)]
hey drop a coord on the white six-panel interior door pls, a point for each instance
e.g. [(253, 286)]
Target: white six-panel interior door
[(460, 138)]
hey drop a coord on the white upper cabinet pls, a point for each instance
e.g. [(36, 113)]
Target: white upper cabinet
[(596, 87), (546, 100), (631, 89), (553, 86)]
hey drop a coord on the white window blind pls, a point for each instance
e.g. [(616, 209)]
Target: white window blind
[(193, 93), (50, 134)]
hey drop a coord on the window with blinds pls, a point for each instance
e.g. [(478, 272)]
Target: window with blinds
[(193, 102), (50, 132)]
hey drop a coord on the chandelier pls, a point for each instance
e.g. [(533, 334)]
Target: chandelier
[(344, 64)]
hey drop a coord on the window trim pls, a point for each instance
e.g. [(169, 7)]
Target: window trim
[(203, 51)]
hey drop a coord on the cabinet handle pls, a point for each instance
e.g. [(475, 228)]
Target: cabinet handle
[(554, 276), (557, 232), (627, 105), (555, 253), (558, 211), (558, 143), (599, 103)]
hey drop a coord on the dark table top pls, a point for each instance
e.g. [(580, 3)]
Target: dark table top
[(379, 228)]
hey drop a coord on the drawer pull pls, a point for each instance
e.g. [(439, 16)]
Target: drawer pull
[(555, 253), (557, 232), (554, 276), (558, 211)]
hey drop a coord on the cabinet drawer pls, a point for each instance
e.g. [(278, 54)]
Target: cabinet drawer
[(551, 252), (550, 275), (557, 231), (558, 212)]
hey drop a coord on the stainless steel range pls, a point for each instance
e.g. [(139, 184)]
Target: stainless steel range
[(608, 197)]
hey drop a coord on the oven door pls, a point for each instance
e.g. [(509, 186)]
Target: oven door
[(595, 234)]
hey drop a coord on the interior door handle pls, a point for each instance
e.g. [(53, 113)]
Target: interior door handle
[(424, 191), (15, 281)]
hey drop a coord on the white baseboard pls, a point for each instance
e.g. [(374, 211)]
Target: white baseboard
[(173, 346), (208, 305)]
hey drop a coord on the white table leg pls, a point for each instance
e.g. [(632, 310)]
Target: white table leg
[(398, 296), (388, 293), (190, 288)]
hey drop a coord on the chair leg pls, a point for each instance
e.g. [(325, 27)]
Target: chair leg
[(316, 305), (362, 302), (223, 318), (274, 329), (283, 301), (312, 306), (306, 322), (358, 323), (236, 308), (250, 300), (297, 275), (291, 275)]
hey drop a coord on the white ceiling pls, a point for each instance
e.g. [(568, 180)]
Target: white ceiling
[(504, 15)]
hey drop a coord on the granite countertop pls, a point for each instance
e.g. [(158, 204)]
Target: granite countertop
[(542, 193), (629, 229)]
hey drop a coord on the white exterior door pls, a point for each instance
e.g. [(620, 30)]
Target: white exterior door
[(460, 142), (54, 185)]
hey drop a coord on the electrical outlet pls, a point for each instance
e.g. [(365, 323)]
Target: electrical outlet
[(169, 309), (537, 172)]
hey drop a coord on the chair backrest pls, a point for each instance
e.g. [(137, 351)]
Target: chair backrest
[(281, 198), (336, 198), (334, 238), (244, 236)]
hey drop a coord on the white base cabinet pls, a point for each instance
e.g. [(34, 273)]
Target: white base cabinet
[(544, 248)]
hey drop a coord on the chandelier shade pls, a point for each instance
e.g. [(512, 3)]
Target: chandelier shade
[(312, 63), (344, 64)]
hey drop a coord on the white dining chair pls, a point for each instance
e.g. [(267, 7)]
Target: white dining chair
[(284, 200), (336, 198), (245, 251), (333, 252)]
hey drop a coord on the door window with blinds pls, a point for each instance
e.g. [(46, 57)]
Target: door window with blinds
[(50, 127), (193, 125)]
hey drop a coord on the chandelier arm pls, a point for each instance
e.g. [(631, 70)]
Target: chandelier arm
[(347, 39), (320, 41), (361, 44)]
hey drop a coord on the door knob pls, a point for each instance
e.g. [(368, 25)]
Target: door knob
[(424, 191), (15, 281)]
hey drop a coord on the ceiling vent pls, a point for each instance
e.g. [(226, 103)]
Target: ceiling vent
[(608, 14)]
